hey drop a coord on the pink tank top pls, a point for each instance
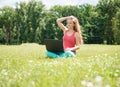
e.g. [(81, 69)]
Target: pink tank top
[(68, 41)]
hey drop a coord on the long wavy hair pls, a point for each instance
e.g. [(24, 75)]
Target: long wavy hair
[(78, 30)]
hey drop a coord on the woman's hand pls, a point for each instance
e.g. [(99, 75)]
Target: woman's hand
[(68, 49), (72, 17), (75, 20)]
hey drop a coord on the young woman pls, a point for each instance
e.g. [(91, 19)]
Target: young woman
[(72, 38)]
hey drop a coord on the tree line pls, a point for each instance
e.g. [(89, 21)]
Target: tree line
[(32, 22)]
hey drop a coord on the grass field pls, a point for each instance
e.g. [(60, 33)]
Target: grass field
[(26, 65)]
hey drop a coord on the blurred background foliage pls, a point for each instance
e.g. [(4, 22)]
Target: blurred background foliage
[(32, 22)]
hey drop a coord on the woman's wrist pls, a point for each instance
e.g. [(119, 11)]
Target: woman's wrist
[(69, 49), (63, 18), (67, 17)]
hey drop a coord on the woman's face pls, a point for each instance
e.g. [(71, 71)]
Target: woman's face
[(70, 23)]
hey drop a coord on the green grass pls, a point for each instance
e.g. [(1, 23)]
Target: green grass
[(26, 65)]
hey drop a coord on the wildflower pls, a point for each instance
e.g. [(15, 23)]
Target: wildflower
[(117, 70), (89, 84), (30, 61), (116, 54), (115, 74), (106, 54), (33, 83), (83, 82), (86, 76), (98, 79), (78, 64), (4, 72), (107, 85), (96, 56)]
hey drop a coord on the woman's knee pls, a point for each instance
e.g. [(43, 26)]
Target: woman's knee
[(70, 54), (51, 54)]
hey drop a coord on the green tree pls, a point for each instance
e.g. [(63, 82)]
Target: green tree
[(89, 18), (108, 10), (7, 23), (28, 18), (116, 27)]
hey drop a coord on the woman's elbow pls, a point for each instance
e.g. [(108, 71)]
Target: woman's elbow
[(58, 20)]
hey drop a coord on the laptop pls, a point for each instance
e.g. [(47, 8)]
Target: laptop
[(54, 45)]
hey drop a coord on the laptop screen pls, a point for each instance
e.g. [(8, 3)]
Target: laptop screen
[(54, 45)]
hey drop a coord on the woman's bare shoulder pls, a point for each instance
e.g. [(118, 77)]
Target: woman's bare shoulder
[(77, 34), (65, 30)]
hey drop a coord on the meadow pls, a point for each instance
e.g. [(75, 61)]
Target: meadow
[(26, 65)]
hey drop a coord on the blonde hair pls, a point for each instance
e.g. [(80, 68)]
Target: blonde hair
[(78, 29)]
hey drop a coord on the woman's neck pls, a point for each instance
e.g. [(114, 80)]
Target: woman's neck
[(70, 30)]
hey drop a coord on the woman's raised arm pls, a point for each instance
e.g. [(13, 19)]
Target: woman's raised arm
[(60, 24)]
